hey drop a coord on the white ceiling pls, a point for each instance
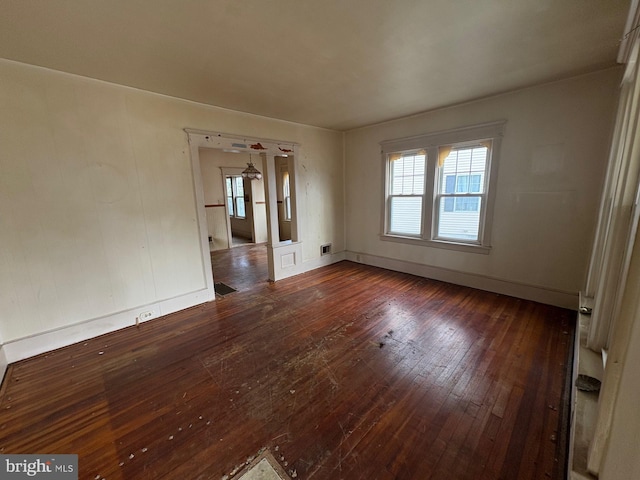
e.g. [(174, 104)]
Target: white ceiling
[(338, 64)]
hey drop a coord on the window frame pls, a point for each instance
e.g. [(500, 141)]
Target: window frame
[(481, 195), (390, 196), (458, 138)]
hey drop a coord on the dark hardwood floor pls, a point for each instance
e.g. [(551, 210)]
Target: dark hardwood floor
[(345, 372), (241, 267)]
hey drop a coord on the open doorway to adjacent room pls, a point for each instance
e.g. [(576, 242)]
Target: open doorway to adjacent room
[(236, 216), (235, 206), (236, 209)]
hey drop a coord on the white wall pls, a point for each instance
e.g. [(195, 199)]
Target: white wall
[(320, 194), (97, 203), (552, 162)]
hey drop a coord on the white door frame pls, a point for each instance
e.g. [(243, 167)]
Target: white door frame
[(284, 258)]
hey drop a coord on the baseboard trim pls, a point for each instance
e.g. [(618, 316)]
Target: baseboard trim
[(323, 261), (525, 291), (307, 266), (30, 346)]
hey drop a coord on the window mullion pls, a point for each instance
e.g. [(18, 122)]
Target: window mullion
[(429, 201), (234, 196)]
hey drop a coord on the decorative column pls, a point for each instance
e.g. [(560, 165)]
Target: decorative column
[(269, 162)]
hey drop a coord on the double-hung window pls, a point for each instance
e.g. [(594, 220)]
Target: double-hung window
[(439, 188), (461, 192), (235, 196), (406, 192)]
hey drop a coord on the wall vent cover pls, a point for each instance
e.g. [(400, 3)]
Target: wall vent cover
[(325, 249)]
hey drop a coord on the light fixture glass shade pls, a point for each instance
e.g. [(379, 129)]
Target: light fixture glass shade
[(251, 172)]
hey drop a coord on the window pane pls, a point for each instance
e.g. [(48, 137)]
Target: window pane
[(450, 183), (475, 184), (405, 215), (449, 202), (463, 222), (239, 187), (462, 184), (240, 207), (229, 191), (230, 205)]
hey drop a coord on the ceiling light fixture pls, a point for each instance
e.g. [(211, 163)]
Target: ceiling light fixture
[(251, 172)]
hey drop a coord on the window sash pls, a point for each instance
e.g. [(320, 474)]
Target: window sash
[(459, 225), (409, 221), (406, 175), (458, 211)]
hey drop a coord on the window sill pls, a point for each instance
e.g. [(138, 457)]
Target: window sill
[(460, 247)]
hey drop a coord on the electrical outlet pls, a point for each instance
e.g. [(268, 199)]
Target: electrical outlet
[(146, 315)]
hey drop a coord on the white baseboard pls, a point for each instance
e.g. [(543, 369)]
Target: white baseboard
[(298, 267), (26, 347), (323, 261), (536, 293)]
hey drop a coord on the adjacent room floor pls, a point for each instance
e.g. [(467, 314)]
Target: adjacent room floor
[(347, 371)]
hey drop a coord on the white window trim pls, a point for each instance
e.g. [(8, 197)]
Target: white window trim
[(430, 142)]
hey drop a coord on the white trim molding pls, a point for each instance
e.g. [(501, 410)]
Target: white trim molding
[(631, 32), (536, 293), (288, 260), (268, 149)]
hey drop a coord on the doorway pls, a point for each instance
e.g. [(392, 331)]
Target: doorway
[(284, 256), (235, 206)]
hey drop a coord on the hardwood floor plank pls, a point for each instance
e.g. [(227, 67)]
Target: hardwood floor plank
[(347, 371)]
